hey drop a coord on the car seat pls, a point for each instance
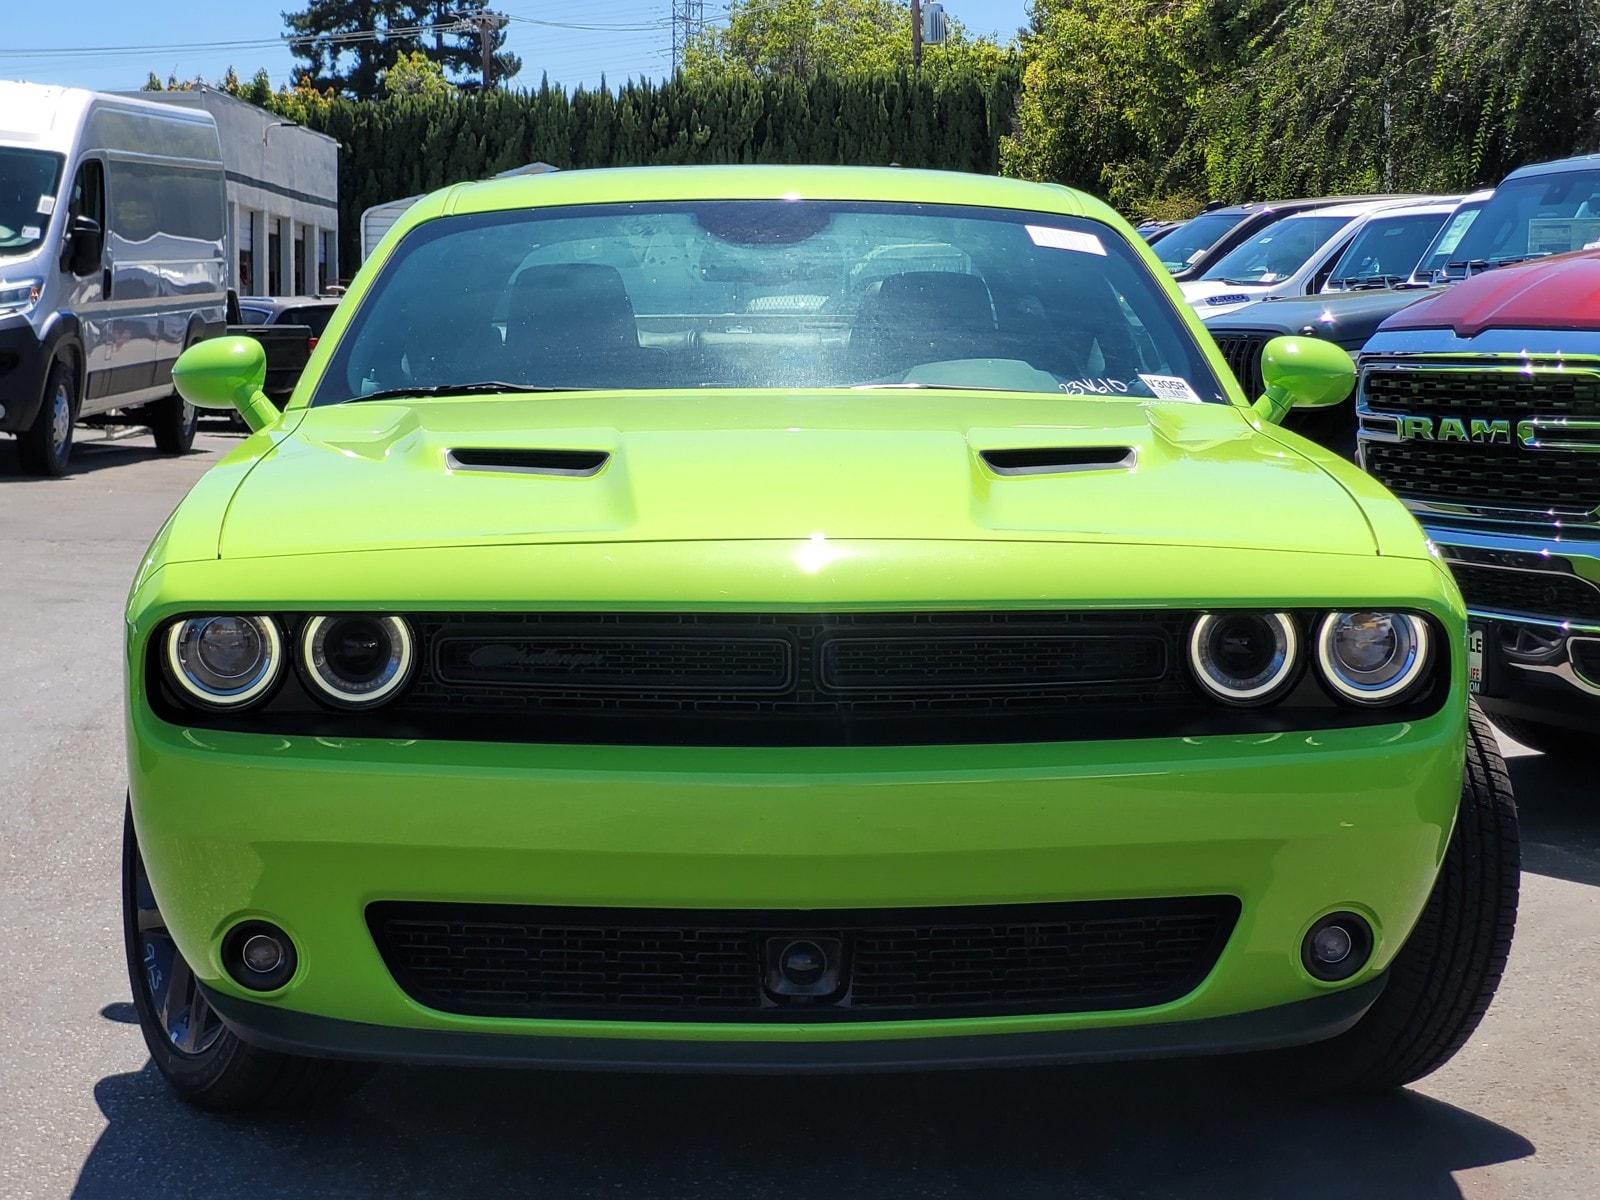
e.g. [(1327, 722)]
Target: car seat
[(572, 324), (920, 317)]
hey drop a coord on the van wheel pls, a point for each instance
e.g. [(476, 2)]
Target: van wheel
[(46, 445), (204, 1061), (1441, 982), (172, 421)]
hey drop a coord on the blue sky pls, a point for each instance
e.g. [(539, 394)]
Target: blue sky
[(94, 46)]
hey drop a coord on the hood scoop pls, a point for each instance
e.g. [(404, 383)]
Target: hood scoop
[(1060, 460), (572, 463)]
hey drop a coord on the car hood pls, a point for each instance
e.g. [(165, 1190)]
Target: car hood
[(724, 466), (1552, 293), (1347, 318)]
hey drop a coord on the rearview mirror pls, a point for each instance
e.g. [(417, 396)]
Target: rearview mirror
[(1302, 372), (226, 373)]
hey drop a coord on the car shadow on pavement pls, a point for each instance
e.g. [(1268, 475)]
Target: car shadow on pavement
[(87, 457), (1196, 1130), (1559, 815)]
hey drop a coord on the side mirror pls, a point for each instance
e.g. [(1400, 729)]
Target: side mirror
[(224, 373), (87, 246), (1302, 372)]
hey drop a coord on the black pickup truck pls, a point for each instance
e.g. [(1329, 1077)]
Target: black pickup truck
[(287, 328)]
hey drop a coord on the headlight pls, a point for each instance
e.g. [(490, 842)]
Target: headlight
[(224, 661), (18, 296), (1244, 658), (356, 661), (1372, 657)]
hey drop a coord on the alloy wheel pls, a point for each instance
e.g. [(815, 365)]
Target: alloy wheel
[(189, 1022), (60, 420)]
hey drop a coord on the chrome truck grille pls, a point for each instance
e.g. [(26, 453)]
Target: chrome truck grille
[(1514, 445)]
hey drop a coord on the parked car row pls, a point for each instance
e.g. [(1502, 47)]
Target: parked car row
[(1478, 405)]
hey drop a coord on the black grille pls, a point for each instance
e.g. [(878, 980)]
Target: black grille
[(1501, 393), (798, 678), (1243, 352), (1486, 476), (517, 961), (1528, 593)]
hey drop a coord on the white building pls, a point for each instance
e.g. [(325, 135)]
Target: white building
[(380, 218), (283, 196)]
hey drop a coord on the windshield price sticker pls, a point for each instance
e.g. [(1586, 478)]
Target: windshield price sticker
[(47, 205), (1170, 387), (1066, 239)]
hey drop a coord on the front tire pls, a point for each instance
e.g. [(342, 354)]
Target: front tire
[(1552, 740), (206, 1062), (46, 445), (173, 421), (1441, 982)]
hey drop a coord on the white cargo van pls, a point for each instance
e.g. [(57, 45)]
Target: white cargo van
[(113, 259)]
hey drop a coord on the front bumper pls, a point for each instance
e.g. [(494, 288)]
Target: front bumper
[(1535, 602), (1294, 1024), (307, 832), (24, 363)]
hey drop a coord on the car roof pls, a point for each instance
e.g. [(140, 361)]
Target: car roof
[(282, 302), (760, 182), (1369, 207), (1576, 163)]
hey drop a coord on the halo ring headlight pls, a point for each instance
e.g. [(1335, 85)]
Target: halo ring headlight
[(357, 660), (224, 661), (1372, 657), (1244, 658)]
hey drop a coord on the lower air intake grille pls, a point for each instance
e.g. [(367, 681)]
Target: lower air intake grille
[(660, 965)]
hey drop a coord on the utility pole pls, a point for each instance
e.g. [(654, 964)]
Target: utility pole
[(688, 20), (916, 35), (487, 24)]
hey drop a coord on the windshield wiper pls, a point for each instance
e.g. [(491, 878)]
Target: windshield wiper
[(1469, 265), (488, 387), (1239, 282), (928, 387), (1355, 283)]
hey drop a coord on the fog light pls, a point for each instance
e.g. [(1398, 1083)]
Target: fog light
[(1337, 946), (262, 953), (259, 956), (1332, 945)]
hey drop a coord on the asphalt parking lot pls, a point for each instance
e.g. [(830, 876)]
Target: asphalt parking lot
[(83, 1114)]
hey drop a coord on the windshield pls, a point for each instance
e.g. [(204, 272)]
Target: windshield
[(28, 182), (1185, 244), (1443, 248), (768, 294), (1277, 252), (1531, 218), (1386, 250)]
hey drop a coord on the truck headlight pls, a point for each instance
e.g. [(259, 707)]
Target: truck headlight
[(1372, 657), (1244, 657), (224, 661), (19, 295), (356, 661)]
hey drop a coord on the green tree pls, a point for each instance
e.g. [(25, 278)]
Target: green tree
[(321, 37), (801, 38), (1109, 96), (415, 74)]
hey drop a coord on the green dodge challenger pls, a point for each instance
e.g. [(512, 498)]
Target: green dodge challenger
[(772, 619)]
